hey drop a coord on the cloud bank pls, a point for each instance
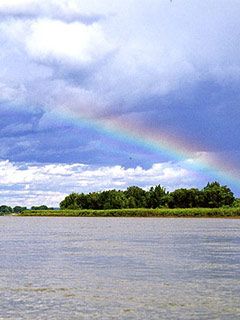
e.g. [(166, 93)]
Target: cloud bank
[(35, 184)]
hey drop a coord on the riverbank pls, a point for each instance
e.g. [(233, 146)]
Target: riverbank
[(163, 212)]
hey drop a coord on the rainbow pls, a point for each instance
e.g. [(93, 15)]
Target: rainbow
[(160, 143)]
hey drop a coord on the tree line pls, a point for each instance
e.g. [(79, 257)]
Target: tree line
[(213, 195), (4, 209)]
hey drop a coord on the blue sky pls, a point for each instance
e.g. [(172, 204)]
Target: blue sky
[(163, 66)]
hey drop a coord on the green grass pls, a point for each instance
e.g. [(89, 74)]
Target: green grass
[(189, 212)]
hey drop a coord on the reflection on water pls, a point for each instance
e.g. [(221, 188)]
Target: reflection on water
[(119, 268)]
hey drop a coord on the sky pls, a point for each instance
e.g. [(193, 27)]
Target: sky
[(98, 95)]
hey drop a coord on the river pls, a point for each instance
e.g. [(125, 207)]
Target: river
[(119, 268)]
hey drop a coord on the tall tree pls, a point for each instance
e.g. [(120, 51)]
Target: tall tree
[(5, 209), (186, 198), (216, 196), (70, 202), (156, 197), (139, 196)]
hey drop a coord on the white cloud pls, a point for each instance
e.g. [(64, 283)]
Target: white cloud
[(28, 184), (8, 93), (62, 42), (16, 5)]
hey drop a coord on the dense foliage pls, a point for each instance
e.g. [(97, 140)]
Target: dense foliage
[(212, 196), (42, 207), (8, 210), (18, 209)]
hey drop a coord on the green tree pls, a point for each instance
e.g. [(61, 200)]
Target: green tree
[(5, 209), (81, 201), (236, 203), (131, 202), (186, 198), (19, 209), (42, 207), (113, 199), (156, 197), (216, 196), (70, 202), (93, 200), (139, 195)]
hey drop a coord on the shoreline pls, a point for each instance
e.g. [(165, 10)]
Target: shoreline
[(139, 213), (129, 217)]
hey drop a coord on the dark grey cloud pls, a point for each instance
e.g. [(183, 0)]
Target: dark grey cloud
[(33, 136), (206, 112)]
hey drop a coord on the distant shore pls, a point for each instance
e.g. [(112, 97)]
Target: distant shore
[(161, 213)]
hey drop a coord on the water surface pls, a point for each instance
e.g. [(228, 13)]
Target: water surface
[(119, 268)]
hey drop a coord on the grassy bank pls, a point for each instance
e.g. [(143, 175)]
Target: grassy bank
[(163, 212)]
